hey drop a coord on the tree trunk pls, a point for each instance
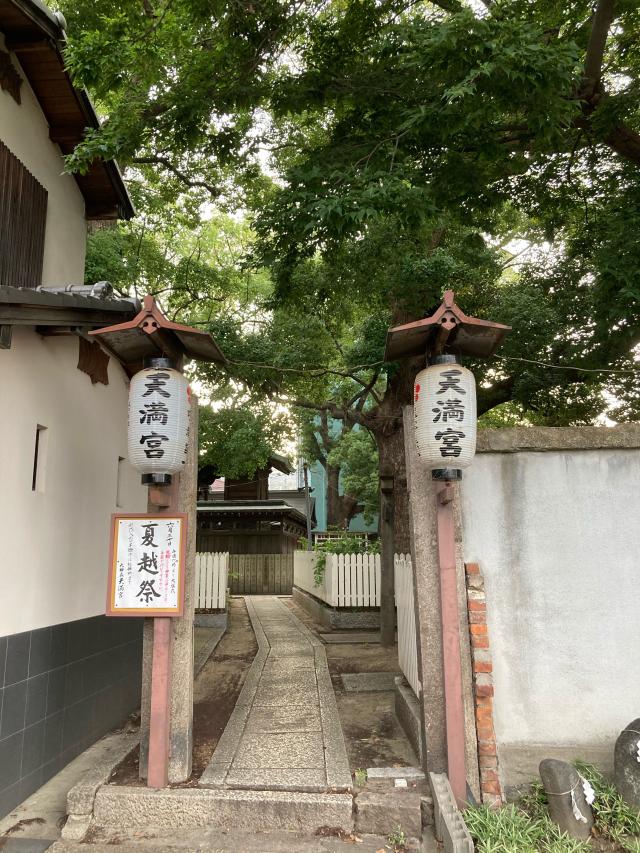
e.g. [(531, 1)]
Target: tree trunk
[(385, 422), (340, 508), (391, 451)]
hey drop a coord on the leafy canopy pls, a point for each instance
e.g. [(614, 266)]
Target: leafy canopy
[(239, 441), (411, 144)]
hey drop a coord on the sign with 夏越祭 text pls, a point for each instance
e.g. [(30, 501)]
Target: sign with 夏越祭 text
[(146, 564)]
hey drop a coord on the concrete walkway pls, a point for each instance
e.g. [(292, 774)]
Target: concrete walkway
[(284, 733)]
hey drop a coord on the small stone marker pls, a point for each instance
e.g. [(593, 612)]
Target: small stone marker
[(568, 806), (626, 762)]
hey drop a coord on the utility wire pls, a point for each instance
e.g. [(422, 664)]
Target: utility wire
[(319, 370), (566, 366)]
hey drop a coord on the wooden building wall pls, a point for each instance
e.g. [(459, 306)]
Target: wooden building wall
[(249, 535)]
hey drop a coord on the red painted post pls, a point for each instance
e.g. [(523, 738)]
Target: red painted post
[(454, 708), (160, 721), (166, 499)]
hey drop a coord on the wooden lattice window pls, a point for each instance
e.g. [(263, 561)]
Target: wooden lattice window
[(23, 214)]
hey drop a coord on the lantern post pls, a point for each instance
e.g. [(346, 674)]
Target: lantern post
[(158, 437), (445, 417)]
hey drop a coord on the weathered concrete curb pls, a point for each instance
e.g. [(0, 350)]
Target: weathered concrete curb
[(407, 710), (450, 828), (211, 620), (81, 798), (175, 808), (337, 619), (207, 650)]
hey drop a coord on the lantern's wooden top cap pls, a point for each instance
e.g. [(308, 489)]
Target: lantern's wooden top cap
[(450, 330), (150, 333)]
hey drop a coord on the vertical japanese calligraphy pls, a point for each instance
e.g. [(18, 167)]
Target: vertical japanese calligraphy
[(158, 420), (445, 416), (147, 565)]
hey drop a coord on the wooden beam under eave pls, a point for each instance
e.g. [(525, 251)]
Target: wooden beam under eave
[(94, 213), (31, 315), (34, 46), (63, 134), (54, 331)]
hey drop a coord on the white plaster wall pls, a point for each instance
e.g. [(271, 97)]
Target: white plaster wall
[(24, 130), (53, 566), (557, 536)]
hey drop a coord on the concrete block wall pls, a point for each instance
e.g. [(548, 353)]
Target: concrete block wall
[(550, 515), (62, 688)]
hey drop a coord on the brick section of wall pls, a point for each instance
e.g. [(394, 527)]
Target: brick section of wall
[(490, 785)]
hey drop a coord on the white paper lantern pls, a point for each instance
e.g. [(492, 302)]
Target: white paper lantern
[(444, 411), (158, 421)]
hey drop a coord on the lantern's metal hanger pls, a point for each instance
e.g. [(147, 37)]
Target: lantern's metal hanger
[(151, 334), (448, 329)]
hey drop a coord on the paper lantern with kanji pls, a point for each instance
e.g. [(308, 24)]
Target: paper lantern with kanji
[(158, 422), (444, 410)]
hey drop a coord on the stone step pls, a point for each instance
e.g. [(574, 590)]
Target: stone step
[(177, 808), (382, 812), (232, 842)]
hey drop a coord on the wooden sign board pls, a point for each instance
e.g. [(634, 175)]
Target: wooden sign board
[(147, 558)]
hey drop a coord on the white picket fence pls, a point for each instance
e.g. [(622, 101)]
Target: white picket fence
[(407, 637), (353, 580), (212, 569), (350, 580)]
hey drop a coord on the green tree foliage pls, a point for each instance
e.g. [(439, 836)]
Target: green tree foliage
[(239, 441), (413, 140), (356, 455), (468, 129), (411, 143)]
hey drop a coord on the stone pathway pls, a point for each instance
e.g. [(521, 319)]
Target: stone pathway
[(284, 733)]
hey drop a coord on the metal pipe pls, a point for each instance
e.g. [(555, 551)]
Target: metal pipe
[(307, 504), (387, 581), (452, 666), (99, 290)]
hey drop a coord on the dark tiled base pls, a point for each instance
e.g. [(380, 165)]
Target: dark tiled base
[(62, 688)]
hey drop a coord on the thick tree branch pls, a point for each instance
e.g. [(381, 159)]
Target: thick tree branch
[(168, 165), (499, 392), (625, 142), (349, 416), (601, 22)]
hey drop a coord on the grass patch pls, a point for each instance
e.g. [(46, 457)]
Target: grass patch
[(525, 827), (615, 819), (512, 829)]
